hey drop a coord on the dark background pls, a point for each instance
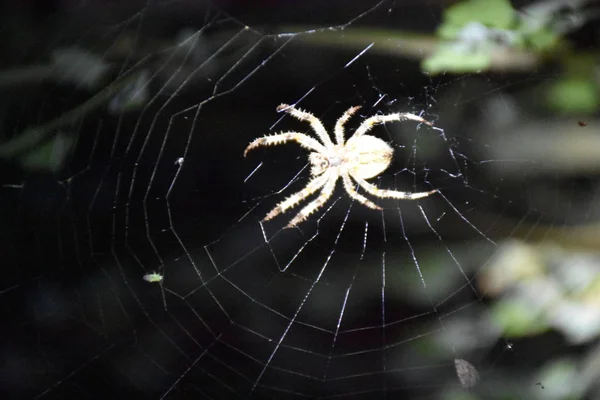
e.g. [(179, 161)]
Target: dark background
[(80, 322)]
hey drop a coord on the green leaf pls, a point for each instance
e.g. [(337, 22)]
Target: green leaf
[(492, 13), (543, 39), (447, 59), (517, 319), (574, 96), (449, 31)]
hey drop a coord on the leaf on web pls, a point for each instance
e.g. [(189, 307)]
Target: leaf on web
[(466, 372)]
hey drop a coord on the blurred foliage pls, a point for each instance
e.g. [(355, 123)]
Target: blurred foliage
[(493, 13), (577, 91), (518, 319), (562, 376), (473, 30), (49, 155), (45, 147), (544, 287)]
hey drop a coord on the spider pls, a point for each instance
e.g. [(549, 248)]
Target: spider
[(360, 157)]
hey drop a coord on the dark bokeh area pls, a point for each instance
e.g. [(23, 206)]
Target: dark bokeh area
[(134, 258)]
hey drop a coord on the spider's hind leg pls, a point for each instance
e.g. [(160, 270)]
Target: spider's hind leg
[(392, 194), (314, 185), (315, 204), (349, 186)]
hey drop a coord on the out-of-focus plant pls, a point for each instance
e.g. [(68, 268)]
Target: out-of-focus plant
[(45, 147), (473, 30), (577, 92), (543, 288)]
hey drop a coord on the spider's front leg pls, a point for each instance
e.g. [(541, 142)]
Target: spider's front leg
[(314, 122), (281, 138), (339, 125), (379, 119)]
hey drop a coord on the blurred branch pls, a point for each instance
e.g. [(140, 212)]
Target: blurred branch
[(548, 147), (577, 237), (408, 45)]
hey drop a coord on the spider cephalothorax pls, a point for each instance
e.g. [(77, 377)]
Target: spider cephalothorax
[(360, 157)]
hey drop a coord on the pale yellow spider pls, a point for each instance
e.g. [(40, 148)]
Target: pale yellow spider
[(361, 157)]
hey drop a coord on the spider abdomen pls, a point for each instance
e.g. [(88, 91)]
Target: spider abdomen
[(368, 156)]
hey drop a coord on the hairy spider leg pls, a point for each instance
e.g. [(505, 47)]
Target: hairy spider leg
[(349, 186), (339, 125), (315, 123), (316, 203), (314, 185), (393, 194), (379, 119), (300, 138)]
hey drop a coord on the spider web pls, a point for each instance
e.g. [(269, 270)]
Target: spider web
[(143, 112)]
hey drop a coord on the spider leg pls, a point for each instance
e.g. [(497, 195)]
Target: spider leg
[(315, 123), (339, 125), (375, 191), (273, 140), (314, 185), (349, 186), (316, 203), (379, 119)]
